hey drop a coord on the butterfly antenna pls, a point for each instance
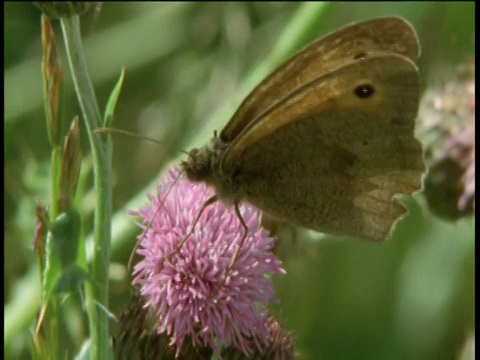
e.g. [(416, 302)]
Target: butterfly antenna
[(107, 130)]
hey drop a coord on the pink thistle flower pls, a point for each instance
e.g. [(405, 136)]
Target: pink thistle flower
[(448, 132), (187, 290)]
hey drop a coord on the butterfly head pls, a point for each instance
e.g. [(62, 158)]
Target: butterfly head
[(203, 164)]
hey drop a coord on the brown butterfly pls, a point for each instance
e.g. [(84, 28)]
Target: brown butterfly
[(326, 141)]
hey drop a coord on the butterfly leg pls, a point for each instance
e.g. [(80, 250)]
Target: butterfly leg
[(237, 251), (207, 203), (245, 233)]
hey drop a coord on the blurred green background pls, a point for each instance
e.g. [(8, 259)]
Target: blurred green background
[(188, 65)]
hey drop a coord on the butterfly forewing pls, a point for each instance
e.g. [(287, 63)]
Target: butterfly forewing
[(323, 56), (395, 82)]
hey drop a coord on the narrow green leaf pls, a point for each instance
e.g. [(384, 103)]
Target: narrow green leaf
[(112, 101)]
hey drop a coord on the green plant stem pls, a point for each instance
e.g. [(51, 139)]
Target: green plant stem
[(97, 289)]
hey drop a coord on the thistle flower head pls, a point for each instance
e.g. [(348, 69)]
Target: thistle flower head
[(191, 290), (448, 131)]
